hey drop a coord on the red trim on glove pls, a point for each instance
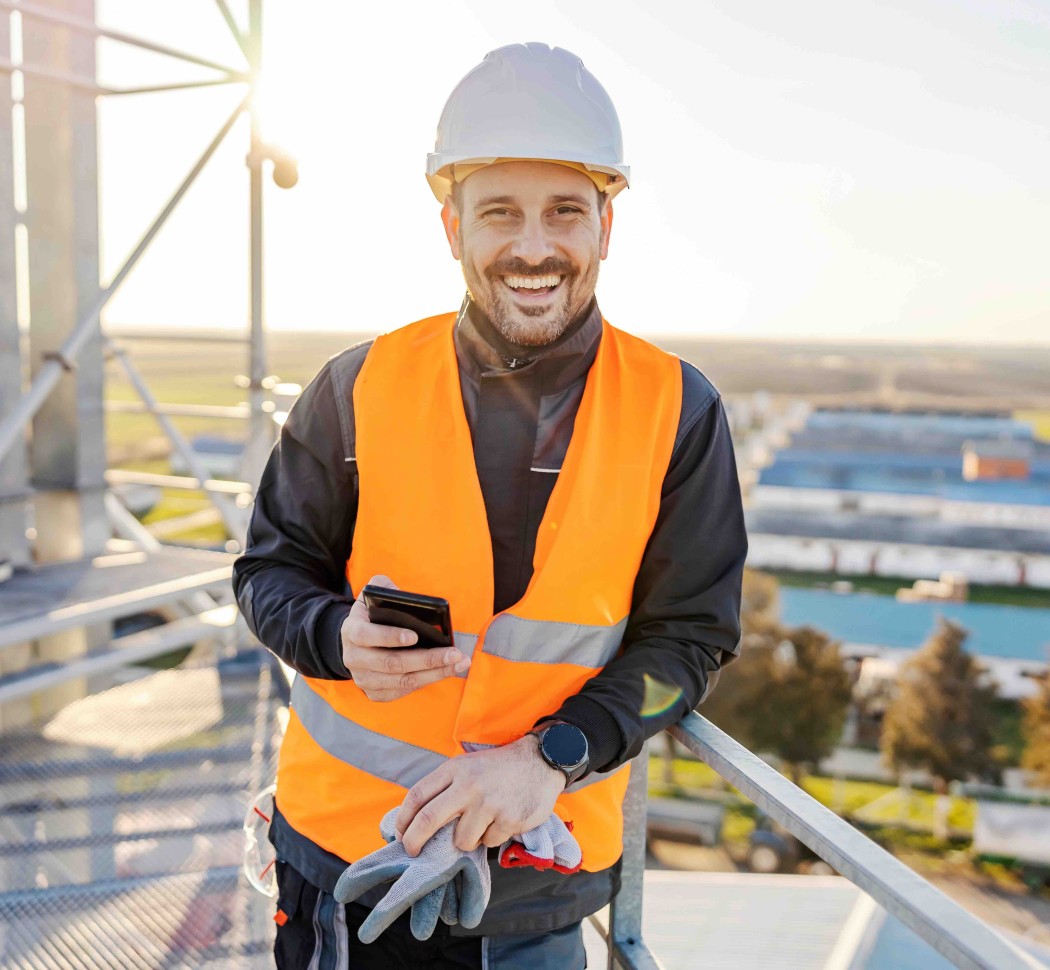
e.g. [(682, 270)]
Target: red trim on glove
[(516, 856)]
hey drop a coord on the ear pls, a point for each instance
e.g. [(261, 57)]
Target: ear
[(607, 221), (450, 218)]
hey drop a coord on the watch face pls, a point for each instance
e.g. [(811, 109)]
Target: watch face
[(565, 745)]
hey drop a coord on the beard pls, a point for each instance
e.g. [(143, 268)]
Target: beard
[(535, 325)]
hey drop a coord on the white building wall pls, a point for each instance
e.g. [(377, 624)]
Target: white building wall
[(784, 497), (893, 503), (922, 561), (1005, 516), (914, 562), (855, 558), (787, 552), (1037, 571)]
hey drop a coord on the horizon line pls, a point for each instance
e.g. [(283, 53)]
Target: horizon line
[(162, 331)]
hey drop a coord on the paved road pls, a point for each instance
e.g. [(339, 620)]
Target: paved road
[(1017, 911)]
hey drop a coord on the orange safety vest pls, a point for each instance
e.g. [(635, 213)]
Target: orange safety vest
[(421, 520)]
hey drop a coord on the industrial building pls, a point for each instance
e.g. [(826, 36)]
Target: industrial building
[(907, 494)]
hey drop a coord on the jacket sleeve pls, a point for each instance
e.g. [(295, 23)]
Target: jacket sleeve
[(685, 614), (290, 583)]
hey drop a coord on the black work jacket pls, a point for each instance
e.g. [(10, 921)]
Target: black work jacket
[(521, 405)]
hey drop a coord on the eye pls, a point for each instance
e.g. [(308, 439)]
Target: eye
[(565, 210)]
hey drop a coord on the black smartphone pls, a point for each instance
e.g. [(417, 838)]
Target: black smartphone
[(428, 616)]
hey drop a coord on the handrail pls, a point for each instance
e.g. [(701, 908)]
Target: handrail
[(955, 933), (126, 476), (624, 936), (103, 608)]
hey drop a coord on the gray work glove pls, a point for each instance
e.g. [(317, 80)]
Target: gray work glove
[(442, 902), (417, 882), (550, 845)]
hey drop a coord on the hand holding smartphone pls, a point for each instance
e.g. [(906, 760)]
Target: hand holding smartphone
[(428, 617), (395, 642)]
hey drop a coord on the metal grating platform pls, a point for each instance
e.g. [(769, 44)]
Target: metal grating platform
[(120, 823), (46, 599)]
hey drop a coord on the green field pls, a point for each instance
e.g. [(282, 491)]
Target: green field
[(187, 372), (888, 586), (904, 819)]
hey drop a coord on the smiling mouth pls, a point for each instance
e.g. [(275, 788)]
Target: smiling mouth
[(530, 287)]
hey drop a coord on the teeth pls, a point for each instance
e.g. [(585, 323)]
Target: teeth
[(531, 282)]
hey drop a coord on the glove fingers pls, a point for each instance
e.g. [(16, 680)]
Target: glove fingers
[(567, 851), (450, 903), (538, 841), (406, 892), (569, 855), (387, 823), (381, 866), (475, 886), (425, 913), (557, 828), (376, 921)]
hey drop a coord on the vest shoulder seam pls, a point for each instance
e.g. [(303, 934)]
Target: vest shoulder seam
[(698, 395), (344, 368)]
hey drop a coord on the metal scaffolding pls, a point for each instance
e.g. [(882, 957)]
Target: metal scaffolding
[(59, 365)]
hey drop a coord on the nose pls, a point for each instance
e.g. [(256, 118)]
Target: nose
[(533, 244)]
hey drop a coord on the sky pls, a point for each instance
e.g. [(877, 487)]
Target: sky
[(813, 170)]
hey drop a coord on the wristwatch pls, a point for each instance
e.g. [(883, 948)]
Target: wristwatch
[(563, 746)]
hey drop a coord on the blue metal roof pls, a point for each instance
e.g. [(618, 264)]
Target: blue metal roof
[(947, 462), (884, 423), (1019, 632), (912, 530), (912, 454), (905, 479)]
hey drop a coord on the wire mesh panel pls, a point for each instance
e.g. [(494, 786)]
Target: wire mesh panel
[(121, 840)]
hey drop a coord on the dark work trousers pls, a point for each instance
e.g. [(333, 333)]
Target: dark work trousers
[(315, 932)]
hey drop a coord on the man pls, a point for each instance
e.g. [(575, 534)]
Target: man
[(570, 489)]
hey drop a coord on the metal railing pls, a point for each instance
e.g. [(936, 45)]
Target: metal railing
[(952, 931)]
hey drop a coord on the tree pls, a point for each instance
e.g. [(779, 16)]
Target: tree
[(759, 603), (759, 612), (788, 694), (1036, 757), (942, 717)]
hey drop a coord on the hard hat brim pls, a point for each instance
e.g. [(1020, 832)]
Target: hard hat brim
[(443, 172)]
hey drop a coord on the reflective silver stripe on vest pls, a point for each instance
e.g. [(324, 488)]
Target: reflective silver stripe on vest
[(545, 642), (387, 758), (465, 644)]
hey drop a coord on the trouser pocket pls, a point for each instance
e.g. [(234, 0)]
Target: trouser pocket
[(294, 944), (555, 950)]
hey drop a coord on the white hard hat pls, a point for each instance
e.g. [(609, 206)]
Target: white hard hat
[(528, 101)]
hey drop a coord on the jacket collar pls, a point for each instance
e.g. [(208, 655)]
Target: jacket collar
[(483, 351)]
